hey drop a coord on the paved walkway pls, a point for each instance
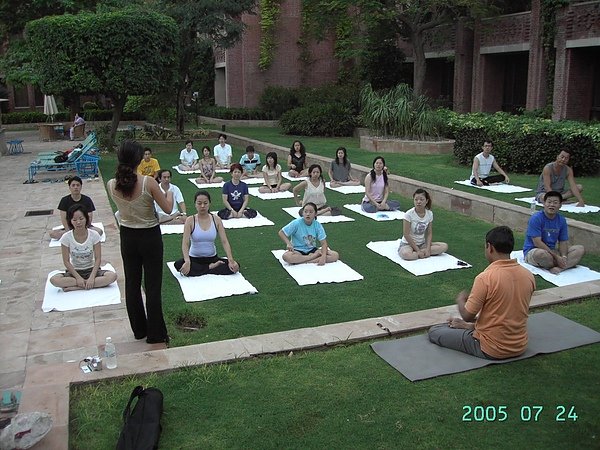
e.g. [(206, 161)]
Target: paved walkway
[(41, 351)]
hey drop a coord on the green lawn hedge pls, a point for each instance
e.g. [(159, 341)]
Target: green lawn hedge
[(525, 144)]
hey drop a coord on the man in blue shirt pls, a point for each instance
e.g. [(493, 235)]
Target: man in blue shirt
[(545, 230), (250, 161)]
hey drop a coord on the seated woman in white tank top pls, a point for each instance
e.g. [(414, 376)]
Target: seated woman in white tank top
[(198, 245)]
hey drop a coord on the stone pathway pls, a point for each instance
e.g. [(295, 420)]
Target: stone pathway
[(41, 351)]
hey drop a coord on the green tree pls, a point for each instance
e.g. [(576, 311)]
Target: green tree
[(353, 19), (202, 25), (117, 53)]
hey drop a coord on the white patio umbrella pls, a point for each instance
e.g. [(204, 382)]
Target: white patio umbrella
[(50, 108)]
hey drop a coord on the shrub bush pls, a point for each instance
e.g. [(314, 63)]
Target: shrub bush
[(89, 105), (330, 119), (276, 100), (220, 112), (524, 144), (31, 117)]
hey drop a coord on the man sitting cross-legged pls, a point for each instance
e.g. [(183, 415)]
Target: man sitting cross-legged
[(545, 229), (494, 314), (179, 212), (75, 197)]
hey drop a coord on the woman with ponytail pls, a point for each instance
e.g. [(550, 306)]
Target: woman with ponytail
[(141, 242), (377, 189)]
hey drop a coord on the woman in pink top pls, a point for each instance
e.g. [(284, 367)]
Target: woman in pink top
[(377, 189)]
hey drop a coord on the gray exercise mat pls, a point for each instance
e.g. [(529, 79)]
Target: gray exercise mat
[(418, 359)]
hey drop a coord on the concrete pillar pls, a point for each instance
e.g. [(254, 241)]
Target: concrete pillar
[(536, 73), (463, 68)]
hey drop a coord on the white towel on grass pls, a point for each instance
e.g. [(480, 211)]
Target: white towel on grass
[(185, 172), (293, 211), (574, 275), (206, 185), (566, 207), (56, 242), (254, 191), (243, 222), (347, 189), (287, 176), (311, 273), (439, 263), (59, 300), (175, 228), (496, 187), (207, 287), (379, 216)]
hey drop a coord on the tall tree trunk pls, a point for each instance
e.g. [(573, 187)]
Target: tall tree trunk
[(117, 113), (420, 65), (180, 121)]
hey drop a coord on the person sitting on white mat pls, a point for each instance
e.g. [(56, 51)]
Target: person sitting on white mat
[(272, 174), (553, 178), (339, 170), (494, 314), (545, 230), (179, 212), (482, 166), (75, 197), (223, 152), (418, 230), (235, 197), (81, 254), (208, 168), (377, 189), (188, 158), (198, 244), (314, 191), (301, 237)]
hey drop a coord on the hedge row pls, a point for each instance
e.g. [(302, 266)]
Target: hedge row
[(524, 144), (65, 116), (331, 119), (221, 112)]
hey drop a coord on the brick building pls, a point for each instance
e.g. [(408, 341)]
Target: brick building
[(497, 64)]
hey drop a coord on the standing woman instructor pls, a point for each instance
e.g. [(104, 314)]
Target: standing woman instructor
[(141, 242)]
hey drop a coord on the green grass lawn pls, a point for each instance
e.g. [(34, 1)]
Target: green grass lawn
[(442, 170), (282, 305), (348, 398)]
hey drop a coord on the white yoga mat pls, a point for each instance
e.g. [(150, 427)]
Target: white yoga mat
[(59, 300), (271, 195), (186, 172), (243, 222), (207, 287), (56, 242), (311, 273), (286, 175), (379, 216), (497, 187), (574, 275), (293, 211), (175, 228), (206, 185), (346, 189), (439, 263), (566, 207)]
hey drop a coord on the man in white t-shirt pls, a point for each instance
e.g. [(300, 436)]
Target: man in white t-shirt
[(189, 158), (179, 213), (223, 153), (482, 165)]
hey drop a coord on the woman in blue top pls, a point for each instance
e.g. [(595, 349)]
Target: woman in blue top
[(198, 244), (301, 237)]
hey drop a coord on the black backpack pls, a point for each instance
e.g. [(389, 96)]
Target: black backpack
[(141, 428)]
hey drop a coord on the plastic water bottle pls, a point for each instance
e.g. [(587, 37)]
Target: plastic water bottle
[(110, 354), (532, 206)]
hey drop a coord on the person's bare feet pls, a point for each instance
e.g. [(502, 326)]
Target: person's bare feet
[(74, 288), (455, 322), (555, 270), (215, 264)]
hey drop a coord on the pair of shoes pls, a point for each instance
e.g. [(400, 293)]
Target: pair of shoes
[(25, 430), (165, 339), (10, 401)]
